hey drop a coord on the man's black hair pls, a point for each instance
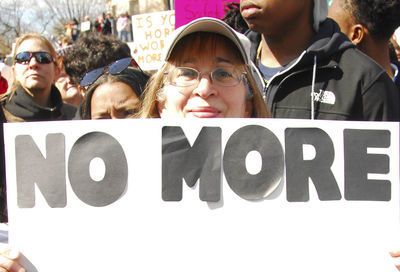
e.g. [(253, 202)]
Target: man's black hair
[(380, 17), (233, 17)]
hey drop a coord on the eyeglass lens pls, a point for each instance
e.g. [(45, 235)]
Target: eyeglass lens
[(41, 57), (223, 76)]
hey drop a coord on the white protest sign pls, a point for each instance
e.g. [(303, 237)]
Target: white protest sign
[(85, 26), (108, 195), (150, 31)]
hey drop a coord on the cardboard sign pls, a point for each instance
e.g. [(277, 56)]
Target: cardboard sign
[(149, 32), (85, 26), (204, 195), (188, 10)]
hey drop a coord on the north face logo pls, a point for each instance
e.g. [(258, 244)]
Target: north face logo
[(326, 97)]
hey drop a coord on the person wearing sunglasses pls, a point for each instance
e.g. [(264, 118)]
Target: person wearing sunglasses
[(33, 96), (113, 92), (207, 74)]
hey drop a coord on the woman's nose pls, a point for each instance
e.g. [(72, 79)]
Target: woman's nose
[(205, 88)]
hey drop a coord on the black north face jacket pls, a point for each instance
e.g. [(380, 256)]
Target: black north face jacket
[(348, 85)]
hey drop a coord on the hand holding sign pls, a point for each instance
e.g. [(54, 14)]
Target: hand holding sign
[(9, 259), (319, 229), (396, 255)]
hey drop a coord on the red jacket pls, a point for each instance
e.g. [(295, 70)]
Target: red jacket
[(3, 85)]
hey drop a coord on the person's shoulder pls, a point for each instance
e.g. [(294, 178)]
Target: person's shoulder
[(68, 111), (8, 116), (253, 36), (3, 99), (2, 115), (371, 79), (364, 63), (255, 39)]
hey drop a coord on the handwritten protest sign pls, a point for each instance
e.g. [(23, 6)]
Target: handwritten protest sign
[(150, 31), (188, 10), (85, 26), (272, 195)]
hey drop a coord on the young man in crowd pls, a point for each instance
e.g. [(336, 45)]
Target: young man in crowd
[(91, 52), (311, 69), (369, 24)]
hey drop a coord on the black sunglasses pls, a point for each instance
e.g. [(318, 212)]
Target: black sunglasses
[(41, 57), (115, 68)]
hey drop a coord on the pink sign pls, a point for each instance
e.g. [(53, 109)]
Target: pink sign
[(188, 10)]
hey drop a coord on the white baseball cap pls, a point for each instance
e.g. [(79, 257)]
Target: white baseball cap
[(212, 25)]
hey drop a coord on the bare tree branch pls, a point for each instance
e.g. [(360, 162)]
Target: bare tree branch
[(42, 16)]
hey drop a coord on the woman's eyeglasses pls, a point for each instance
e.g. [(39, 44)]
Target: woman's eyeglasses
[(41, 57), (221, 76), (114, 69)]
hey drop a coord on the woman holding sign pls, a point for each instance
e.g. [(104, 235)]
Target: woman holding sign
[(207, 74)]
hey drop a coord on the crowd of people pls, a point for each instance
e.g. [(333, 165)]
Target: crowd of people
[(104, 24), (293, 61)]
